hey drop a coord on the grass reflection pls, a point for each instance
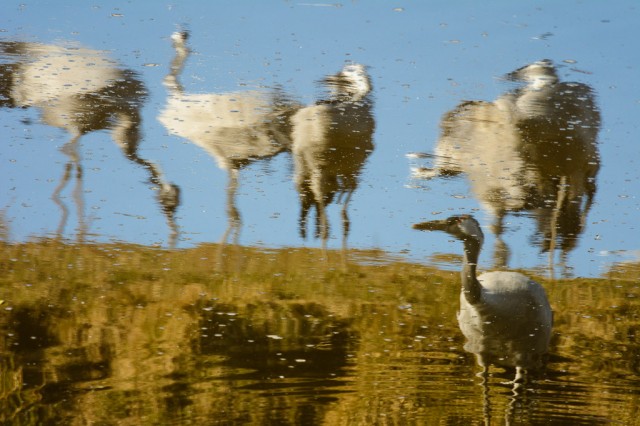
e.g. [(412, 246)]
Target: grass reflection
[(109, 333)]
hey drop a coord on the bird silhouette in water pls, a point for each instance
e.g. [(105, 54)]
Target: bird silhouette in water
[(82, 90), (505, 316), (559, 124), (533, 149), (235, 128), (331, 142)]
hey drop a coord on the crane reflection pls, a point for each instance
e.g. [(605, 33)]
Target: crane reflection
[(533, 149), (331, 143), (81, 91), (236, 129)]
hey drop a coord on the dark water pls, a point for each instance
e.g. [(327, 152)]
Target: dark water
[(206, 212)]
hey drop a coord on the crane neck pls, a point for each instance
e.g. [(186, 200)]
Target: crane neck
[(172, 81), (471, 287)]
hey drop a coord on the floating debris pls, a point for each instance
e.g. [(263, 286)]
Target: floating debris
[(336, 5), (274, 337), (543, 36)]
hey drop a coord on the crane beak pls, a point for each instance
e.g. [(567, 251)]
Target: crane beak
[(434, 225), (521, 73), (515, 75)]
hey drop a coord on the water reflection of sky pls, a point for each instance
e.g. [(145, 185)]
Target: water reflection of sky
[(424, 58)]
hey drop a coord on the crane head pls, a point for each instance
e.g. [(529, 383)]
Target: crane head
[(463, 227)]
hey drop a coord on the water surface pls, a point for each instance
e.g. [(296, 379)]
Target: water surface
[(169, 203)]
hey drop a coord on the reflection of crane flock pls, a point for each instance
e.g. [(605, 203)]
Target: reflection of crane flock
[(81, 91), (330, 141), (533, 149)]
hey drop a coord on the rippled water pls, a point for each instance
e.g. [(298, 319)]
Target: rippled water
[(113, 334), (277, 127)]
